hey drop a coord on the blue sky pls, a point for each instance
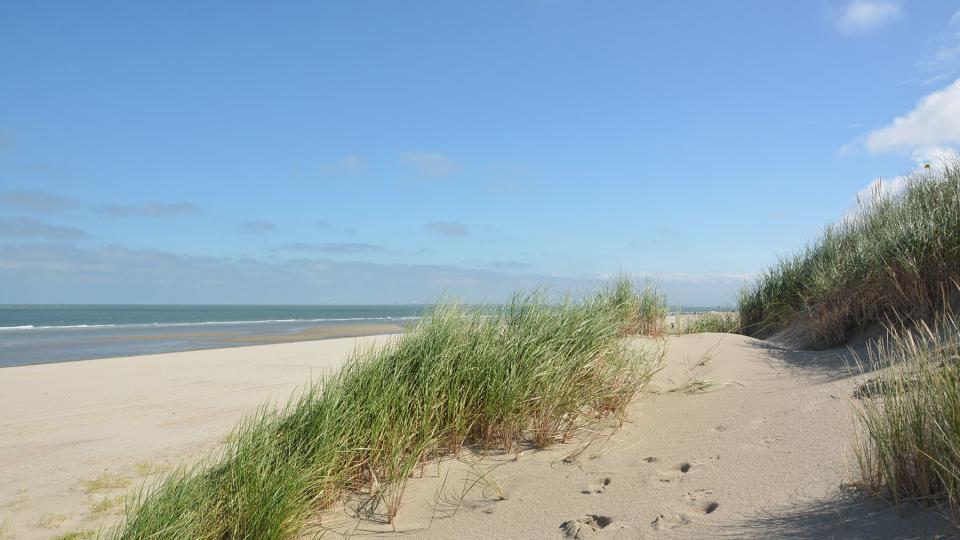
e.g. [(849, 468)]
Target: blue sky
[(339, 152)]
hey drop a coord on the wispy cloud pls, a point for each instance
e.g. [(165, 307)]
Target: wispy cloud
[(351, 162), (864, 15), (255, 227), (330, 247), (943, 60), (347, 164), (40, 202), (152, 209), (447, 228), (429, 165), (325, 225), (31, 229)]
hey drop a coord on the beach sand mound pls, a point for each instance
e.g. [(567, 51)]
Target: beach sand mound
[(735, 437)]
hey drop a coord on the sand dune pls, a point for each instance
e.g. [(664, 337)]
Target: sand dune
[(735, 437), (763, 452)]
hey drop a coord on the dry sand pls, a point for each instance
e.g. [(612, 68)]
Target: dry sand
[(72, 434), (763, 452)]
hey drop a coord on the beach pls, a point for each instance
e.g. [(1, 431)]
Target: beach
[(733, 437), (73, 434)]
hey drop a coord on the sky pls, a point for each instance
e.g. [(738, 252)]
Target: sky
[(392, 152)]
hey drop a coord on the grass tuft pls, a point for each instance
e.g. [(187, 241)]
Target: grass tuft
[(106, 505), (50, 520), (529, 373), (105, 481), (898, 256), (640, 309), (148, 468), (909, 415), (713, 321), (85, 534)]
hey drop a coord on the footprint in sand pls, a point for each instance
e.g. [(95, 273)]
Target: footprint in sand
[(696, 508), (596, 488), (584, 526), (674, 474)]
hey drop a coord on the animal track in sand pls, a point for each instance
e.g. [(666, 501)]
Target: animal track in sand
[(596, 488), (584, 526), (698, 494), (674, 474), (771, 439), (696, 508)]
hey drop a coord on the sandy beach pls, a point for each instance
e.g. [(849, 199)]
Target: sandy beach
[(735, 437), (75, 434)]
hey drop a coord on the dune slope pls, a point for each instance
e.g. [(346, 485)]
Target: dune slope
[(762, 451)]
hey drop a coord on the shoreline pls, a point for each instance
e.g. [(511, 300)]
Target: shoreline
[(97, 344)]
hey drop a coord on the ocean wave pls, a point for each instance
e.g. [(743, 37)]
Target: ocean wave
[(203, 323)]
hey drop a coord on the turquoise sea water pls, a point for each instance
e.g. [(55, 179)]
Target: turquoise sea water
[(34, 334)]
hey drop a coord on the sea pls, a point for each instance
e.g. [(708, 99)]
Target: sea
[(38, 334)]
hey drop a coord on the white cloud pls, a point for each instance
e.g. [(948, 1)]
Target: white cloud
[(932, 127), (929, 134), (430, 164), (864, 15)]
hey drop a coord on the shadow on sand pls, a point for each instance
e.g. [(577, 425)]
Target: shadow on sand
[(849, 514), (830, 364)]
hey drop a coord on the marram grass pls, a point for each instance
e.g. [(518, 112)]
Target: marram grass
[(718, 322), (908, 438), (640, 310), (899, 256), (527, 373)]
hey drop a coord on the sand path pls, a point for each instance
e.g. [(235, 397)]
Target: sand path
[(765, 452)]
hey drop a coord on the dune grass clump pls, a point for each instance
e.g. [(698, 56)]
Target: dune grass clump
[(527, 373), (718, 322), (640, 309), (908, 441), (897, 255)]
